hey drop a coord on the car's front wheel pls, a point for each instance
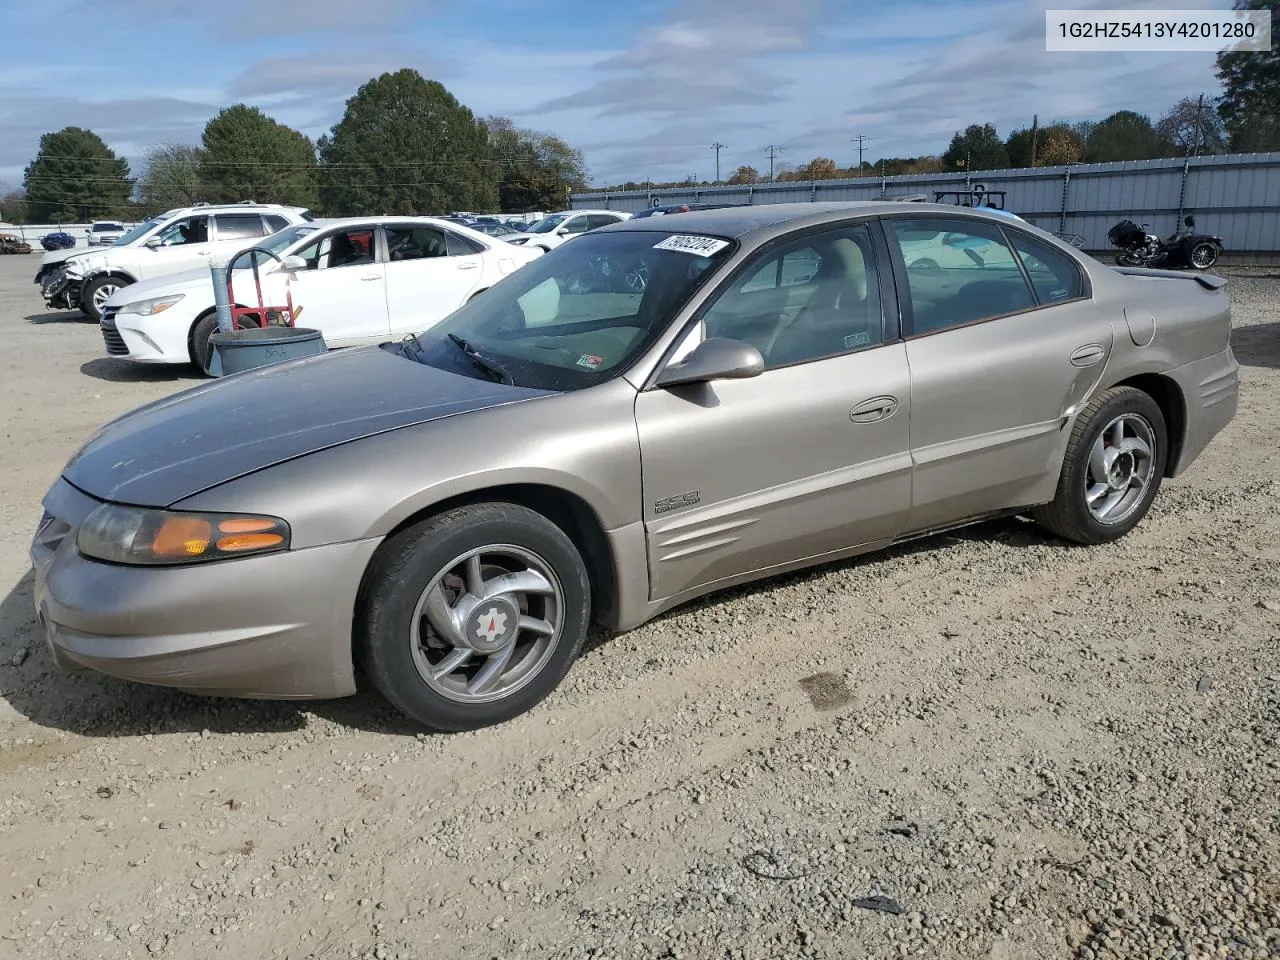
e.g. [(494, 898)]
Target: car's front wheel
[(471, 617), (1114, 463), (95, 294)]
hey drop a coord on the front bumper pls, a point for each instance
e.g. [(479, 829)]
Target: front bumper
[(276, 626), (61, 291), (158, 339)]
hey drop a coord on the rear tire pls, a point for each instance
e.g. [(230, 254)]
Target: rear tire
[(1203, 255), (471, 617), (1112, 470)]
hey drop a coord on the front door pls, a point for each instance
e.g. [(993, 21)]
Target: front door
[(183, 245), (808, 459), (342, 293), (430, 273), (1005, 344)]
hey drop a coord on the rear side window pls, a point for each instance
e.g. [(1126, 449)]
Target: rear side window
[(275, 222), (238, 226), (958, 272), (599, 220), (409, 242), (1054, 275), (459, 246)]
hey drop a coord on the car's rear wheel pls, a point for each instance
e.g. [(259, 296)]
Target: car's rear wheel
[(471, 617), (1112, 470), (95, 294)]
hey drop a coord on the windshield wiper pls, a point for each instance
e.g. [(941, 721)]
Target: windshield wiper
[(483, 363)]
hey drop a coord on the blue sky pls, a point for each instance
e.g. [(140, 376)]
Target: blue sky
[(643, 87)]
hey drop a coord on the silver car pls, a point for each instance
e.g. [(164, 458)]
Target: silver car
[(660, 409)]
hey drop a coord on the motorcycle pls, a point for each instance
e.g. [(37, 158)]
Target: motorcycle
[(1194, 251)]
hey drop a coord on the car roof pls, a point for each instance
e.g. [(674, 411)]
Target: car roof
[(739, 221)]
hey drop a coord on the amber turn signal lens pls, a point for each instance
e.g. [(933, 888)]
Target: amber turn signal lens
[(246, 525), (182, 537), (241, 542)]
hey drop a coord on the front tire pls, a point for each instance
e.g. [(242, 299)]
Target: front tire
[(200, 346), (1112, 470), (95, 293), (471, 617)]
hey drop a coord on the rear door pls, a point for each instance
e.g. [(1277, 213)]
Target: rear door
[(431, 272), (1004, 343)]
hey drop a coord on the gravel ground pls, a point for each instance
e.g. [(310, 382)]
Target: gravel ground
[(986, 744)]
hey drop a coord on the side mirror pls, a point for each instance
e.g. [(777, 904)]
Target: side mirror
[(293, 263), (715, 359), (154, 242)]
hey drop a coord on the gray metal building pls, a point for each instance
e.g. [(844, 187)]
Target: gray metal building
[(1236, 196)]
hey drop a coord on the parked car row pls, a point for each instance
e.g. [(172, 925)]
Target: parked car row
[(659, 409), (356, 280)]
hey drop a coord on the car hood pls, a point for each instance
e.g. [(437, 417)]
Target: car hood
[(187, 282), (176, 447), (58, 256)]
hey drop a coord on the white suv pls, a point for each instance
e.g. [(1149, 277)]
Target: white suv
[(103, 233), (179, 240), (551, 231)]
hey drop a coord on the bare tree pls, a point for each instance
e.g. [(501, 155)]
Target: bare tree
[(1193, 126)]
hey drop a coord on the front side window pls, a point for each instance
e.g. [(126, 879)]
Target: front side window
[(577, 316), (183, 232), (547, 224), (958, 272), (343, 248), (805, 299), (238, 226), (412, 242), (576, 225)]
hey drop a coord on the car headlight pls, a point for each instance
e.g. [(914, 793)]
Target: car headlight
[(518, 240), (139, 536), (147, 308)]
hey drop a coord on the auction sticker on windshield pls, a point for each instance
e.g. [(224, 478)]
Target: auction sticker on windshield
[(698, 246)]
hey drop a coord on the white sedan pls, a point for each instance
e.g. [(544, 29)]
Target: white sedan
[(551, 231), (358, 281)]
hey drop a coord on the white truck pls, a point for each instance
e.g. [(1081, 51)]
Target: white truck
[(181, 239)]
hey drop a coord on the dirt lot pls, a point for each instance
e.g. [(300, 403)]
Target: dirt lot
[(1035, 751)]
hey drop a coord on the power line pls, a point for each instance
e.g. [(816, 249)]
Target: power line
[(517, 161)]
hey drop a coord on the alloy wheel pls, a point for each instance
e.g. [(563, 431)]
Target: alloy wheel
[(487, 623), (1121, 465)]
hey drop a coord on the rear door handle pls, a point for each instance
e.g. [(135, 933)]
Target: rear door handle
[(372, 276), (467, 265), (1087, 355), (877, 408)]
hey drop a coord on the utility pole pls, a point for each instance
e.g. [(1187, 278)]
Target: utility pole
[(774, 150), (717, 147), (1035, 133), (859, 140), (1199, 121)]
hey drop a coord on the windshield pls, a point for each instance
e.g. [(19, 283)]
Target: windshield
[(140, 230), (579, 315), (547, 224)]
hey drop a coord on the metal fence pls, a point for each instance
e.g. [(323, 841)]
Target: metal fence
[(1236, 196)]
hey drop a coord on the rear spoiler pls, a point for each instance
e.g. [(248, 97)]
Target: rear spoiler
[(1206, 280)]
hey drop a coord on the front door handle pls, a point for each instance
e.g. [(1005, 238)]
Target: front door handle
[(877, 408), (1087, 355), (372, 276)]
